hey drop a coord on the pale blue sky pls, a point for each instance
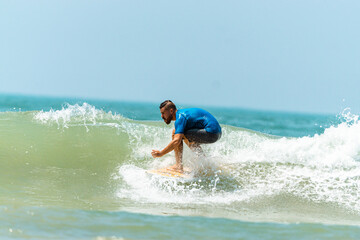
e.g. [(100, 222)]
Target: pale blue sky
[(275, 55)]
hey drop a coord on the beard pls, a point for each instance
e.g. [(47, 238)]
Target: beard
[(168, 120)]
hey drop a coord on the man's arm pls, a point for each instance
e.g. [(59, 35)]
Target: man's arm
[(171, 146)]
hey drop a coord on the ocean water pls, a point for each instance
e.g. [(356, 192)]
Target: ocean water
[(75, 169)]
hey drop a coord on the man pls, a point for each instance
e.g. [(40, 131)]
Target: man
[(193, 125)]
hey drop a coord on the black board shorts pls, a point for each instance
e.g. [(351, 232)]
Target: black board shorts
[(201, 136)]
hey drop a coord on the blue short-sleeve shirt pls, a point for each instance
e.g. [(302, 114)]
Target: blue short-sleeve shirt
[(195, 118)]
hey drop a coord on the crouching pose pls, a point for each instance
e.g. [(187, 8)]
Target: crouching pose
[(195, 126)]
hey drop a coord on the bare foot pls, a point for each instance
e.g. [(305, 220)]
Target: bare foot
[(176, 168)]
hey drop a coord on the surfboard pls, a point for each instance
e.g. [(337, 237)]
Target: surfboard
[(169, 173)]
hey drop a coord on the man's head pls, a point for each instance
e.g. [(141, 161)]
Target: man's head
[(167, 110)]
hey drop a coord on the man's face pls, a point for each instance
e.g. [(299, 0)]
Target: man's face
[(166, 115)]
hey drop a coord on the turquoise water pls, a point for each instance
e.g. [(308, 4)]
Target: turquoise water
[(75, 168)]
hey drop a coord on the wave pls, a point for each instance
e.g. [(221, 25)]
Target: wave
[(81, 156)]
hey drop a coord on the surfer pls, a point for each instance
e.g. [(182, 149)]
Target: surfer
[(194, 126)]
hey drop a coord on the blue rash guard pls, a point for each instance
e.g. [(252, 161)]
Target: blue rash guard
[(195, 118)]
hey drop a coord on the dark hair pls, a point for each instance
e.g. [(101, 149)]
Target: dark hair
[(168, 104)]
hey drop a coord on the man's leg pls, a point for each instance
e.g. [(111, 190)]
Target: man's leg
[(194, 137), (195, 147)]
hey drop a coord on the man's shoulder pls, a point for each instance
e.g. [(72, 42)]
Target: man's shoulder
[(180, 113), (184, 111)]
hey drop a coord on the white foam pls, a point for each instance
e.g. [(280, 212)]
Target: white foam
[(322, 169), (69, 115)]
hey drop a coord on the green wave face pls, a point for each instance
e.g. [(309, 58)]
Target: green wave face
[(66, 157)]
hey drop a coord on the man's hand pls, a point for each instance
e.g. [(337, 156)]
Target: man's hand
[(156, 153)]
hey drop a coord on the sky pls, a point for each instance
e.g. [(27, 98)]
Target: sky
[(298, 55)]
